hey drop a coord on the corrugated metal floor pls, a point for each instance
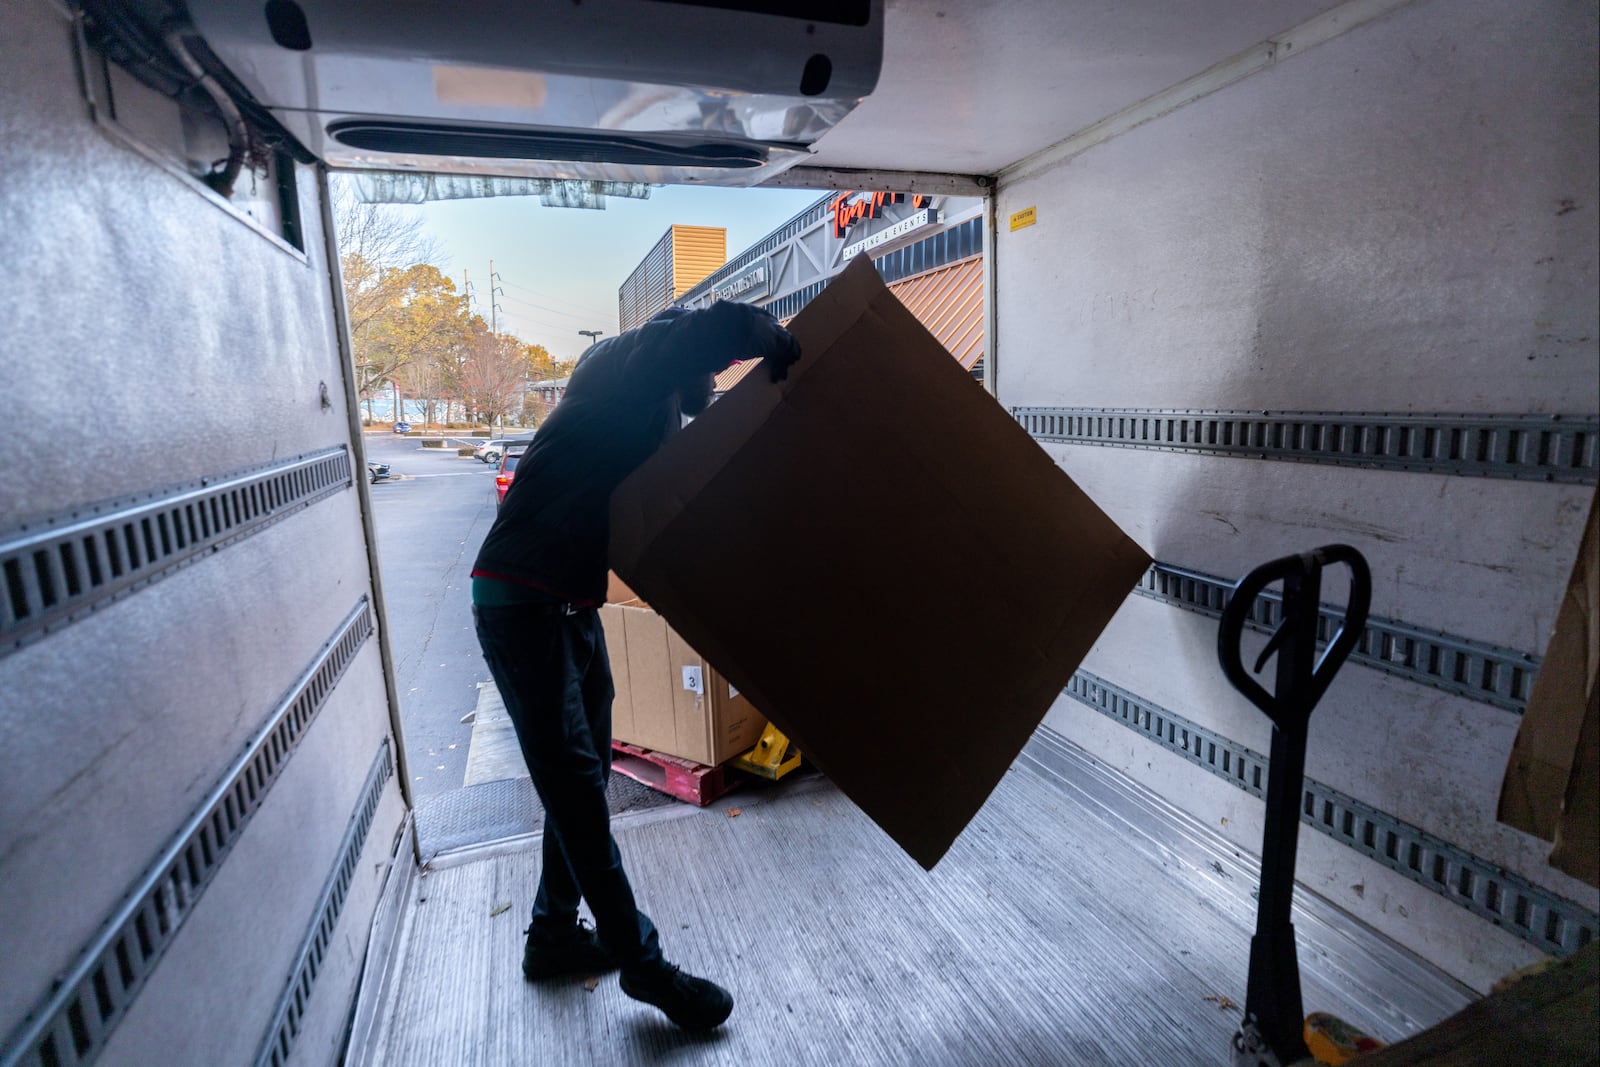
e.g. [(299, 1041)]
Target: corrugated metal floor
[(1079, 920)]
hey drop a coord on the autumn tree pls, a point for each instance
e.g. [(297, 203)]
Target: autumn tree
[(490, 374), (419, 336), (378, 243), (541, 367), (410, 327)]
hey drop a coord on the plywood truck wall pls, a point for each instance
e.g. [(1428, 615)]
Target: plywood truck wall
[(157, 346), (1399, 219)]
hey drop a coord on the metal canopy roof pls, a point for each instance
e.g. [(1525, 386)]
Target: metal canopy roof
[(948, 301)]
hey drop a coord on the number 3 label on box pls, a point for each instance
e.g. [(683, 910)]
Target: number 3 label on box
[(692, 680)]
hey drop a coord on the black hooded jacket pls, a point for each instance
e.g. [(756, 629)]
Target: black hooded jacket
[(552, 530)]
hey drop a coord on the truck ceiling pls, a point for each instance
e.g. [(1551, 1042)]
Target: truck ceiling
[(937, 109)]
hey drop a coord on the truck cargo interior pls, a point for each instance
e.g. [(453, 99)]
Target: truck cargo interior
[(1258, 278)]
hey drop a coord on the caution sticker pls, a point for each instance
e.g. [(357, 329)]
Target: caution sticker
[(1026, 217)]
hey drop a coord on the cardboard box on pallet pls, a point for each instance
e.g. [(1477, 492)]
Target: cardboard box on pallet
[(875, 553), (669, 698)]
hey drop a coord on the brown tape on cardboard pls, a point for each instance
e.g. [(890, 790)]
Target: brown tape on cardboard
[(880, 558), (1550, 783)]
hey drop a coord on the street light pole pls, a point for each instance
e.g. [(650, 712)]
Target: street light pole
[(591, 334)]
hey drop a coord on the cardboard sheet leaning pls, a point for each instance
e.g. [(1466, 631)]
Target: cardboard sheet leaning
[(1553, 777), (880, 558)]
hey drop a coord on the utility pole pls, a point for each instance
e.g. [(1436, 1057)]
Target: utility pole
[(494, 306), (466, 291)]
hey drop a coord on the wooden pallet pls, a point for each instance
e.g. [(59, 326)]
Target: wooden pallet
[(681, 778)]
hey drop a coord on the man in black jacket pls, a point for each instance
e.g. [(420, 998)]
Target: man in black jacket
[(536, 585)]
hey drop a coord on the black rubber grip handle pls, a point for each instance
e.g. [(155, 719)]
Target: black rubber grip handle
[(1306, 691)]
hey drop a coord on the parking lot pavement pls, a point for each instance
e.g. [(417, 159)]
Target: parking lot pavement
[(407, 458), (430, 521)]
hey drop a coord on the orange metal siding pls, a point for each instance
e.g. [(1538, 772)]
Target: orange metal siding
[(696, 252), (677, 263), (949, 302), (733, 375)]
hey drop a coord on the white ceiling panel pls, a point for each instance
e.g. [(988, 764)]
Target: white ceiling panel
[(971, 86)]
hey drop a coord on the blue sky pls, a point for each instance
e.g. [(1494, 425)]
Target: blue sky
[(560, 267)]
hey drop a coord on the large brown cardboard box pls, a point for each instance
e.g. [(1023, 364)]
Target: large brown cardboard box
[(880, 558), (669, 698)]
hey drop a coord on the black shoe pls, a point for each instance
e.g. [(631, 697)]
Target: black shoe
[(575, 952), (693, 1003)]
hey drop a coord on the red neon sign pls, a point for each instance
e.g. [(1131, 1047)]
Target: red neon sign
[(847, 212)]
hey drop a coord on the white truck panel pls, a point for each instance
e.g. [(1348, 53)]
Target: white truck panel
[(158, 339), (1398, 220)]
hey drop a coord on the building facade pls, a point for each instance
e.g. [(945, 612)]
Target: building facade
[(929, 249), (683, 256)]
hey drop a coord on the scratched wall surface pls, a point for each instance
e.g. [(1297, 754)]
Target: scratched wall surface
[(153, 339), (1400, 219)]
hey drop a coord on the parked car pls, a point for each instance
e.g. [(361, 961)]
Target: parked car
[(376, 471), (508, 467), (402, 427), (491, 451)]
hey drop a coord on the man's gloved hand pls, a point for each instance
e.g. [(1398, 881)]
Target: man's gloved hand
[(784, 354), (744, 331)]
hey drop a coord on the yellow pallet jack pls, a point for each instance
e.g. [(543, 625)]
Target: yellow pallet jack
[(1274, 1032), (773, 757)]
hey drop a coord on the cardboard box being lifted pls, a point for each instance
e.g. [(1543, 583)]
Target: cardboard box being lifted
[(880, 558), (669, 698)]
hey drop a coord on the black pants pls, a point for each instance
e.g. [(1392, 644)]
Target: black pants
[(555, 679)]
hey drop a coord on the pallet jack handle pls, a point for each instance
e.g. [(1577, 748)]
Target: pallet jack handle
[(1273, 1028), (1295, 638)]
